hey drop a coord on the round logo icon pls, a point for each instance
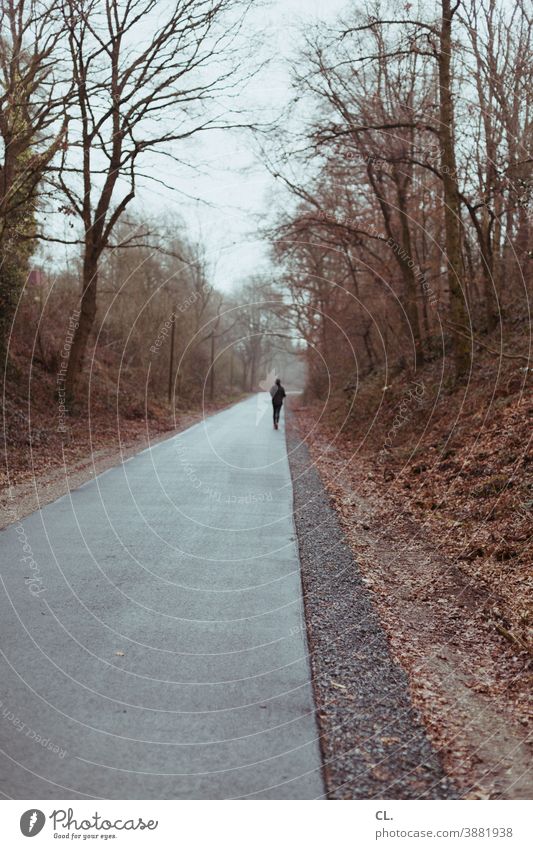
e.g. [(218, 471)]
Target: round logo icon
[(32, 822)]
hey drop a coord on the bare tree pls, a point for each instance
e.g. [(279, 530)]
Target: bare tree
[(501, 176), (452, 206), (374, 117), (379, 78), (142, 71), (32, 129)]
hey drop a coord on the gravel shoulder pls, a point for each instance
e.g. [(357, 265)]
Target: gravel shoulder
[(373, 740), (469, 685)]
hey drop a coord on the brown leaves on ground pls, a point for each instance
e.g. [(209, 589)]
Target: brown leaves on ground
[(442, 533)]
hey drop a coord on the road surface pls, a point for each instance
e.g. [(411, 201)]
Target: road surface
[(152, 634)]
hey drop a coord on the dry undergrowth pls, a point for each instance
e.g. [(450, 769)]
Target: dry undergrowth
[(441, 527)]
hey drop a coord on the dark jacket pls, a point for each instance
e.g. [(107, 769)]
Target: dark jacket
[(278, 394)]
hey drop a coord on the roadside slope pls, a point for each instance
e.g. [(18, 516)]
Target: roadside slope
[(469, 681), (373, 741)]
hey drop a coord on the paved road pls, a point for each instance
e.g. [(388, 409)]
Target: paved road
[(152, 640)]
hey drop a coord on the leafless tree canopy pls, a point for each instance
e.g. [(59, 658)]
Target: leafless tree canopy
[(415, 205), (141, 73), (403, 211)]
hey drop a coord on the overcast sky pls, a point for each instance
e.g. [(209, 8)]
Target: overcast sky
[(233, 181)]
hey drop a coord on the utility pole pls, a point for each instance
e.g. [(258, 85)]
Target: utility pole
[(212, 370), (171, 360)]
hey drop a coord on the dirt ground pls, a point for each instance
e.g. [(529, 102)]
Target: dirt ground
[(471, 683)]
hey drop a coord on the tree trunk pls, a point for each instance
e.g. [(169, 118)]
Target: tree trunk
[(171, 359), (497, 253), (522, 264), (452, 210), (244, 382), (368, 347), (426, 341), (86, 321), (401, 248), (487, 248), (212, 369), (410, 299), (253, 367)]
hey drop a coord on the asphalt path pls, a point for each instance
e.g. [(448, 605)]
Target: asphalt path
[(152, 634)]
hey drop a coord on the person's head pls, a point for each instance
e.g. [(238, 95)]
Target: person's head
[(278, 381)]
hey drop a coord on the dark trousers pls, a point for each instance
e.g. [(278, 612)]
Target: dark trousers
[(277, 410)]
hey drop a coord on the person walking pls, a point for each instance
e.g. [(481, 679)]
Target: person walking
[(278, 394)]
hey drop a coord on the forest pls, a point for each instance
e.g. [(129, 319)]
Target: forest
[(393, 294)]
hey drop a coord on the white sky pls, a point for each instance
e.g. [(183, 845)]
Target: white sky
[(233, 180)]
